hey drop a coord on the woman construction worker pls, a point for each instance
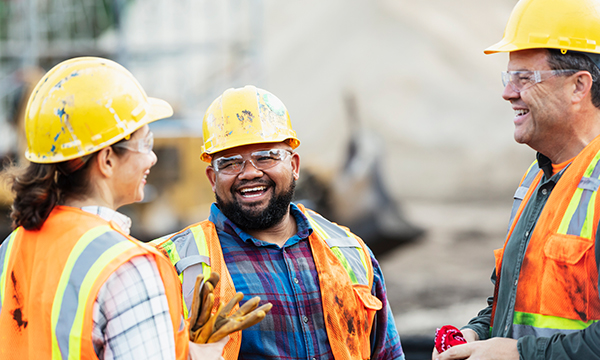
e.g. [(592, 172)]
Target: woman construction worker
[(73, 283)]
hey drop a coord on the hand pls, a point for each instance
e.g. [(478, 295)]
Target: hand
[(468, 334), (212, 351), (492, 349)]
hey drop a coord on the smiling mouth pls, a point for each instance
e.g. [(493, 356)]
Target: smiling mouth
[(253, 191), (521, 112)]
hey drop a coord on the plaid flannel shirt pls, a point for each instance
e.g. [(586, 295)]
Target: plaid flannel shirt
[(287, 277)]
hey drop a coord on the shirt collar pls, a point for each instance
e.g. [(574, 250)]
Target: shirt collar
[(222, 223), (545, 164), (123, 221)]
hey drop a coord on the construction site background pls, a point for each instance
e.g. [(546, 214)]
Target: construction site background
[(393, 87)]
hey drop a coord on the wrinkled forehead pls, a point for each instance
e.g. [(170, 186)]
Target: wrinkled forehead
[(527, 60)]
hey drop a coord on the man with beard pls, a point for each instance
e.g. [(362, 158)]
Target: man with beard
[(327, 290)]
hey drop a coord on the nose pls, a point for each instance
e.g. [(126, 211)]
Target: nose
[(154, 158), (509, 93), (249, 171)]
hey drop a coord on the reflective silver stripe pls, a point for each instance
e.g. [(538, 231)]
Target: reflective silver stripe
[(589, 185), (522, 191), (348, 246), (190, 260), (522, 330), (70, 299), (353, 257), (185, 244), (342, 242), (6, 244), (332, 230)]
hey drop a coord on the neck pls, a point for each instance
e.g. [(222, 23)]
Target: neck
[(277, 234), (96, 198), (583, 131)]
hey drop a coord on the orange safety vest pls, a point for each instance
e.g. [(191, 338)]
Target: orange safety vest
[(557, 290), (49, 280), (345, 276)]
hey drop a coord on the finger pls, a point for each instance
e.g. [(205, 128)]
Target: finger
[(434, 354), (196, 301), (456, 352), (205, 312)]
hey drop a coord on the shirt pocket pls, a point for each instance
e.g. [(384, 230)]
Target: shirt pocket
[(564, 289), (371, 305), (567, 249)]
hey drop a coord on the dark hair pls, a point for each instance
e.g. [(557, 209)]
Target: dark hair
[(577, 61), (38, 188)]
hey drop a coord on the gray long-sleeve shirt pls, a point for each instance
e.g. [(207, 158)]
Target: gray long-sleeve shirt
[(583, 344)]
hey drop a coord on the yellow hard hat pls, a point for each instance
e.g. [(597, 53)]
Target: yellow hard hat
[(83, 105), (244, 116), (553, 24)]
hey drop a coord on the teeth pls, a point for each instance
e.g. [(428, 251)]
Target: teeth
[(257, 188), (521, 112)]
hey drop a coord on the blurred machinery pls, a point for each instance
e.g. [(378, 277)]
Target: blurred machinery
[(41, 33)]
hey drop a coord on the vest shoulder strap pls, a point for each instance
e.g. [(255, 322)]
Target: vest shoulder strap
[(352, 253)]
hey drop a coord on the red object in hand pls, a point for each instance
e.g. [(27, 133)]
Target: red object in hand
[(447, 337)]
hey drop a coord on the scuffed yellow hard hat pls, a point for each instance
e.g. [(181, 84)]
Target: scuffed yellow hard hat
[(553, 24), (83, 105), (244, 116)]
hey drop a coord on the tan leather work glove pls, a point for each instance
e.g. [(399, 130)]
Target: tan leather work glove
[(208, 328)]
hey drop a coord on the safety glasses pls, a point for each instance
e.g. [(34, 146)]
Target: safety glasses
[(523, 80), (262, 160), (143, 146)]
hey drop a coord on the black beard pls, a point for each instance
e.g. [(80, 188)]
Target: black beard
[(259, 220)]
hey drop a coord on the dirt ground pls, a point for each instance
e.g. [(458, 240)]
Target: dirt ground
[(444, 277)]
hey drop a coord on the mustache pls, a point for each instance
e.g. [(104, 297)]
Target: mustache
[(246, 183)]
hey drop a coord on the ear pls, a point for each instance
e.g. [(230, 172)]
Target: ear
[(583, 85), (212, 177), (106, 161), (295, 161)]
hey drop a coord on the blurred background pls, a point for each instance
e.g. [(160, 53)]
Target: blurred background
[(404, 135)]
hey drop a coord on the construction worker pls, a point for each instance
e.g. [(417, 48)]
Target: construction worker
[(327, 290), (73, 283), (545, 303)]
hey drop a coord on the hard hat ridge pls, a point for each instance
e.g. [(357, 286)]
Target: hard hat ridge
[(568, 25), (83, 105), (244, 116)]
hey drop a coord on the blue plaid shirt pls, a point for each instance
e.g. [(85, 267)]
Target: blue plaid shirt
[(287, 277)]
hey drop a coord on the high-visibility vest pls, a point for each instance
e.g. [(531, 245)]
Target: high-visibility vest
[(49, 280), (557, 290), (345, 275)]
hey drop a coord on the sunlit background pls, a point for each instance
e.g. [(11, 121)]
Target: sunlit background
[(404, 135)]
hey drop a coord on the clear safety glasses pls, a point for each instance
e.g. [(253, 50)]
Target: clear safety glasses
[(262, 160), (143, 146), (522, 80)]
